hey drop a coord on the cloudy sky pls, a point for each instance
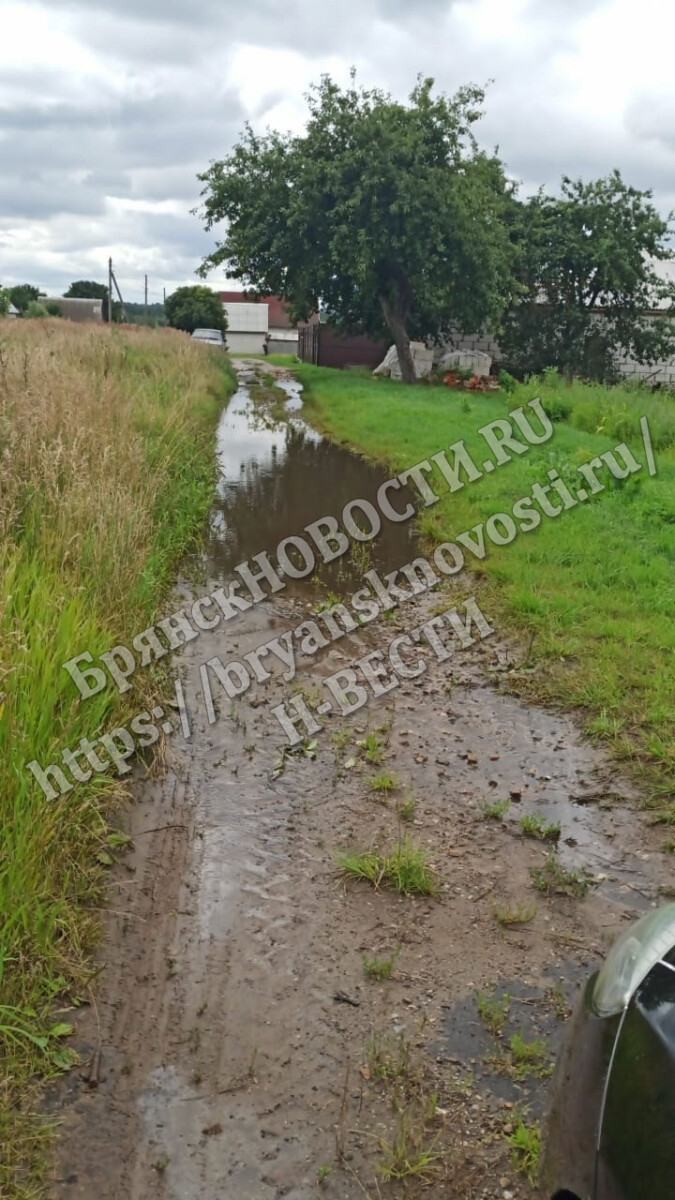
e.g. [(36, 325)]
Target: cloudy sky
[(109, 109)]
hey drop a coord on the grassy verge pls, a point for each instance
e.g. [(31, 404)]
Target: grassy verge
[(106, 445), (593, 588)]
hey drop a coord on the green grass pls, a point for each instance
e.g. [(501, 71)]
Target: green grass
[(525, 1143), (110, 438), (493, 1010), (406, 810), (519, 914), (592, 589), (380, 968), (409, 1155), (372, 747), (536, 826), (554, 879), (494, 810), (524, 1059), (384, 782), (404, 869), (388, 1057)]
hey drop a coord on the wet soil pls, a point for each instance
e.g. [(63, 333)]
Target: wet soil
[(236, 1046)]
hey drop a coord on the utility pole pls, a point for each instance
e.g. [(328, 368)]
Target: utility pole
[(146, 297), (112, 280)]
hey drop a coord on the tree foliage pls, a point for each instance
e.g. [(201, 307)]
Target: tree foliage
[(586, 276), (4, 302), (195, 307), (387, 215), (21, 295)]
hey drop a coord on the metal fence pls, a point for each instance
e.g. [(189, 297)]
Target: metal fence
[(325, 347)]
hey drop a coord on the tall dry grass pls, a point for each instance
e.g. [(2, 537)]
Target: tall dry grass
[(106, 473)]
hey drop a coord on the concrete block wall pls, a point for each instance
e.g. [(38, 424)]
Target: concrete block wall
[(470, 341), (661, 372)]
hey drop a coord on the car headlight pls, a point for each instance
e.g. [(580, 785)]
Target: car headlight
[(631, 959)]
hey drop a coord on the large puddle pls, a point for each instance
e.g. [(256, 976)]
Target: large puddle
[(276, 478)]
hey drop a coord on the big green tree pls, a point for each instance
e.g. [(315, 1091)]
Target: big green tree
[(386, 215), (22, 294), (588, 286), (195, 307)]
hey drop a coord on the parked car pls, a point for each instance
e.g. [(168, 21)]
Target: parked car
[(211, 337), (611, 1128)]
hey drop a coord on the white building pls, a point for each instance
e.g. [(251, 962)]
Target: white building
[(247, 327)]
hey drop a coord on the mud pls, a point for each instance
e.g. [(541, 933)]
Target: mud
[(232, 1050)]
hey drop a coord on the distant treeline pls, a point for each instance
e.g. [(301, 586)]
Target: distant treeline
[(137, 314)]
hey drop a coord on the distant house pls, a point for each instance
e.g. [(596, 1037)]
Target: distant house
[(12, 311), (76, 310), (247, 326), (283, 334)]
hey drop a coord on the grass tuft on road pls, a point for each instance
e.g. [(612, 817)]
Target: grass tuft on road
[(108, 471), (404, 869)]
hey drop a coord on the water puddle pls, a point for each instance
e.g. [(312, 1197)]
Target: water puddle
[(276, 478)]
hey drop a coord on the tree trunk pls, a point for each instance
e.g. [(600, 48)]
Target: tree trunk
[(396, 322)]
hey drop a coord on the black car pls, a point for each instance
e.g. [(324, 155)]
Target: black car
[(611, 1128)]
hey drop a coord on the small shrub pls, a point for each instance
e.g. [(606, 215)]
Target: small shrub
[(36, 311), (556, 408), (507, 382)]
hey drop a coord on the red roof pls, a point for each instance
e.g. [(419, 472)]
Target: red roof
[(278, 317)]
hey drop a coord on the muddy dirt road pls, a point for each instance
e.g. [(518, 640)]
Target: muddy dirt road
[(237, 1049)]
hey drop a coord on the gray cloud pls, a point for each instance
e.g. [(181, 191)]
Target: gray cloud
[(651, 117), (154, 97)]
